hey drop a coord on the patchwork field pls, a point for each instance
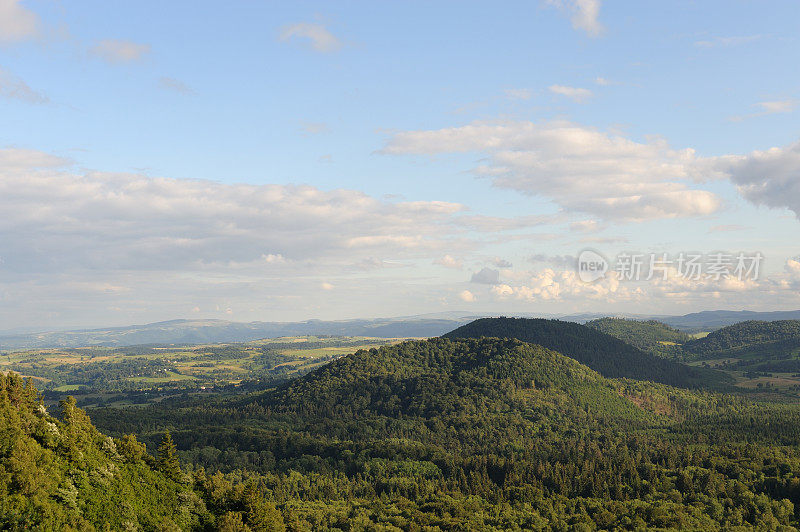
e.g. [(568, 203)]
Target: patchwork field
[(143, 374)]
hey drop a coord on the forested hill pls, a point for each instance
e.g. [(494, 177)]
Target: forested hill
[(650, 336), (603, 353), (749, 337), (436, 377)]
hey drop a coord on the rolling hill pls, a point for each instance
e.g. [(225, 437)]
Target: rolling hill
[(650, 336), (752, 346), (605, 354)]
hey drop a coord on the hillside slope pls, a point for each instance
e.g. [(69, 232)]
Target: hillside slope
[(442, 377), (605, 354), (749, 337), (651, 336)]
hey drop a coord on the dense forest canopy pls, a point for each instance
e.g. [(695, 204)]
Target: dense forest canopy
[(748, 337), (609, 356), (650, 336), (485, 433)]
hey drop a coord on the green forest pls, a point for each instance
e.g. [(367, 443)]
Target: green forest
[(502, 425)]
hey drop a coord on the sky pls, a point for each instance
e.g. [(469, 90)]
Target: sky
[(284, 161)]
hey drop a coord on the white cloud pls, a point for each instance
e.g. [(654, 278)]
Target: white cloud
[(16, 22), (778, 106), (317, 36), (582, 169), (583, 14), (273, 258), (573, 93), (14, 88), (448, 261), (769, 108), (467, 296), (553, 285), (327, 286), (56, 219), (770, 177), (76, 243), (116, 51), (176, 85), (584, 226)]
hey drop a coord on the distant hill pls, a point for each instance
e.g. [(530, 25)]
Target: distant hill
[(757, 346), (650, 336), (715, 319), (605, 354), (188, 332), (220, 331)]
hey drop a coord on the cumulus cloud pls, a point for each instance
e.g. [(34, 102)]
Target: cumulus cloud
[(583, 14), (562, 284), (55, 218), (582, 169), (575, 94), (486, 276), (448, 261), (316, 36), (554, 285), (467, 296), (14, 88), (17, 23), (75, 243), (770, 177), (116, 51)]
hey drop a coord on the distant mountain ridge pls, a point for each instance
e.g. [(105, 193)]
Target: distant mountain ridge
[(187, 331), (712, 320)]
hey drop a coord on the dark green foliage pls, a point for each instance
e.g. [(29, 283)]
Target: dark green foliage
[(465, 434), (605, 354), (766, 338), (650, 336), (65, 475), (489, 433)]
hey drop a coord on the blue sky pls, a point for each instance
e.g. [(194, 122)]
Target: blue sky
[(283, 161)]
